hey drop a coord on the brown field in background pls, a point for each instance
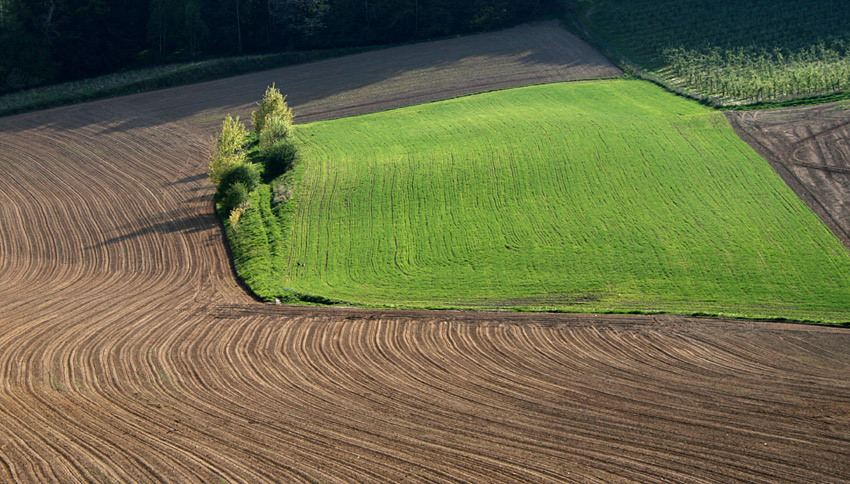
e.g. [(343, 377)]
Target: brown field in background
[(129, 353)]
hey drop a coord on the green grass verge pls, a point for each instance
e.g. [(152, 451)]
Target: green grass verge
[(153, 78), (792, 103), (250, 245), (260, 242), (611, 196), (725, 51)]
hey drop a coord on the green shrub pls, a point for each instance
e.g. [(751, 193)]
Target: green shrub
[(237, 195), (276, 129), (221, 163), (245, 173), (274, 104), (279, 157)]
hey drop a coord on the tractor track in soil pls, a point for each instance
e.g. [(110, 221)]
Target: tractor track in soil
[(809, 148), (128, 352)]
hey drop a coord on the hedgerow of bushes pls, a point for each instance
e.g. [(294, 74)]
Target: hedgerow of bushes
[(255, 195)]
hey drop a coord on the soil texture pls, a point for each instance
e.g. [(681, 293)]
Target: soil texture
[(129, 353)]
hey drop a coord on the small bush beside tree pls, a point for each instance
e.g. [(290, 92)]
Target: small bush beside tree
[(220, 164), (245, 173), (279, 158), (235, 215), (281, 192), (235, 196)]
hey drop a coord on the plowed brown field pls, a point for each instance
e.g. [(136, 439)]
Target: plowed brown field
[(810, 149), (128, 353)]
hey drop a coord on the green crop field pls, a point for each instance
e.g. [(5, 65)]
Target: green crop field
[(590, 196), (753, 51)]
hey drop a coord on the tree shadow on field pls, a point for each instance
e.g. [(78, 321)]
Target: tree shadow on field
[(164, 225), (355, 84), (198, 198), (189, 179)]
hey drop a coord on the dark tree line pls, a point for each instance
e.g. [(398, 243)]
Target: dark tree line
[(44, 41)]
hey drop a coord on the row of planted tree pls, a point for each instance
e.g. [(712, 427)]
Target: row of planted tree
[(751, 75), (242, 159)]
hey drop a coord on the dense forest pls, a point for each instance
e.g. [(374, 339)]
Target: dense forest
[(45, 41)]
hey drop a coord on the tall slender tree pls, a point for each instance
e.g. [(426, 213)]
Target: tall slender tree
[(161, 15), (298, 19), (194, 29), (238, 28)]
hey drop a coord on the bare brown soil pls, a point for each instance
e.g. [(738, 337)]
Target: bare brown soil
[(810, 149), (128, 352)]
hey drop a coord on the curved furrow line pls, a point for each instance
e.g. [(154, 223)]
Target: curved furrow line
[(523, 423), (618, 385), (213, 405), (217, 402), (55, 452), (533, 479), (60, 384), (408, 392), (139, 430)]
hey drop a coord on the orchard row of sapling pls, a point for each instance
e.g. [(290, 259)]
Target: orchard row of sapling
[(751, 75), (244, 159), (729, 51)]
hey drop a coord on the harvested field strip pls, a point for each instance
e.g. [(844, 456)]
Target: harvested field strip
[(594, 196), (152, 78), (129, 354)]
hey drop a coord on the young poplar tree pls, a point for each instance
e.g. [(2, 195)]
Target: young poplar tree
[(229, 148), (273, 104)]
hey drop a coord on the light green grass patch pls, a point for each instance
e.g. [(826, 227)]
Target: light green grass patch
[(590, 196)]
